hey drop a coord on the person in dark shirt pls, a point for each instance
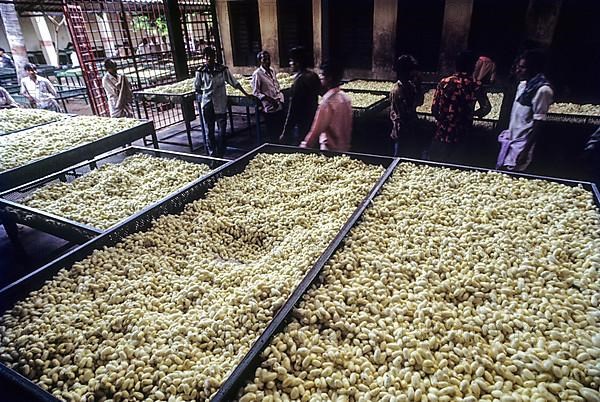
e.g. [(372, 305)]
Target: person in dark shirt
[(5, 61), (454, 107), (303, 101), (406, 95)]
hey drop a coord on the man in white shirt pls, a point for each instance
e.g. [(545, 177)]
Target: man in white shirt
[(39, 90), (118, 91), (266, 88), (532, 101), (210, 82)]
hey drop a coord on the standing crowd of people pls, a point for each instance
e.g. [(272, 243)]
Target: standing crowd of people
[(305, 122), (459, 98), (327, 124)]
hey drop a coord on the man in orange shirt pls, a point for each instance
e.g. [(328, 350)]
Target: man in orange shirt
[(332, 127)]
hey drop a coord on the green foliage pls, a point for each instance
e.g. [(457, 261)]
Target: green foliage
[(144, 23)]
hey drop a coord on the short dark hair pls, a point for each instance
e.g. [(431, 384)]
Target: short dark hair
[(209, 50), (334, 70), (535, 60), (260, 54), (299, 55), (109, 63), (2, 49), (465, 62), (405, 64), (30, 67)]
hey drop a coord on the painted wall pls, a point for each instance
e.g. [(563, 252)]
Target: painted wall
[(31, 40)]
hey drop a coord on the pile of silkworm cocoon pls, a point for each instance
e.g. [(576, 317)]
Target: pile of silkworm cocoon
[(18, 119), (166, 314), (455, 286), (177, 88), (20, 148), (115, 191), (284, 80), (586, 109), (375, 86), (363, 100)]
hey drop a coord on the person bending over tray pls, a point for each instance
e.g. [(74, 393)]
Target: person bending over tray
[(210, 85), (7, 101)]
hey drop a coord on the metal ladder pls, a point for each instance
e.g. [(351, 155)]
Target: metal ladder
[(77, 28)]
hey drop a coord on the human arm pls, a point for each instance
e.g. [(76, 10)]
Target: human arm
[(8, 100), (25, 92), (298, 93), (484, 103), (8, 63), (125, 92), (230, 79), (320, 124), (396, 96), (437, 101), (50, 88), (198, 82), (417, 80), (540, 105), (109, 87)]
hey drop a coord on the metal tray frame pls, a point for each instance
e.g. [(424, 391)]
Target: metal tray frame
[(368, 91), (360, 112), (64, 228), (171, 205), (573, 118), (165, 98), (42, 167), (244, 369)]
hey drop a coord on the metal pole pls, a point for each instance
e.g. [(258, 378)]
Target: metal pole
[(216, 33), (173, 17)]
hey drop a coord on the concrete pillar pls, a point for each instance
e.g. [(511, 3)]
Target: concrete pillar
[(106, 34), (267, 15), (14, 36), (173, 18), (222, 10), (542, 17), (384, 37), (455, 32), (43, 33), (317, 32)]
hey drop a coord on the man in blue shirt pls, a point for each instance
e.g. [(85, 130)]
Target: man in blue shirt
[(5, 61)]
